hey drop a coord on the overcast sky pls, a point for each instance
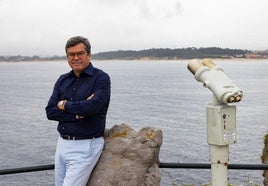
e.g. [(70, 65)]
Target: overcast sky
[(41, 27)]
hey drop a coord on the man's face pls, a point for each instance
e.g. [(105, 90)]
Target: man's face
[(78, 58)]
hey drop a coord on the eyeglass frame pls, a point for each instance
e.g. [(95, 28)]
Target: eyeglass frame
[(78, 54)]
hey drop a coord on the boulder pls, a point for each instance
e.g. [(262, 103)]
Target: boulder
[(129, 158)]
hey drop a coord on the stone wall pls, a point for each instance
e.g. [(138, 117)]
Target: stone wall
[(129, 158)]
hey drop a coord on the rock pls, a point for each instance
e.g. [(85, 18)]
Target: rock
[(129, 158), (264, 158)]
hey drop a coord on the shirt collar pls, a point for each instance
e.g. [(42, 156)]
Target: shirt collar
[(88, 70)]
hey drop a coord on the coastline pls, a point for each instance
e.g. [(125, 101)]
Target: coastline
[(146, 59), (155, 54)]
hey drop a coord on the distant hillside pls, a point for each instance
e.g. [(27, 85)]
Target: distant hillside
[(184, 53), (161, 53)]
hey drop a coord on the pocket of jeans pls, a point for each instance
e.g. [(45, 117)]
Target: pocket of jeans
[(97, 145)]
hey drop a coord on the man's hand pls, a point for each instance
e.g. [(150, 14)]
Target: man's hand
[(61, 104), (81, 117)]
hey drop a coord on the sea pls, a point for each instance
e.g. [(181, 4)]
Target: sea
[(158, 93)]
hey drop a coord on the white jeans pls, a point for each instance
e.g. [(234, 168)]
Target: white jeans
[(75, 160)]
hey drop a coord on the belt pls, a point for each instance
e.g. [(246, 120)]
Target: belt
[(67, 137)]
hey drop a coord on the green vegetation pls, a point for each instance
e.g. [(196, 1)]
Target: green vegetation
[(264, 156), (184, 53), (266, 139)]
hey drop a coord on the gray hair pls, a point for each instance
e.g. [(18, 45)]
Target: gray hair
[(76, 40)]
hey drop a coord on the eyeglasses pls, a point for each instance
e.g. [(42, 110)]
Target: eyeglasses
[(73, 54)]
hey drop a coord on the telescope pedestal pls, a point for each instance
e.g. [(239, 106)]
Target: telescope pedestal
[(219, 162), (221, 132)]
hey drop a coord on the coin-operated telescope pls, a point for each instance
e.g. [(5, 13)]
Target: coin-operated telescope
[(220, 115), (216, 80)]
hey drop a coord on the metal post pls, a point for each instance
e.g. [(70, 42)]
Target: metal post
[(219, 163), (221, 131)]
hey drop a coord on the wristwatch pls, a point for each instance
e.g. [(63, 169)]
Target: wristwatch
[(61, 104)]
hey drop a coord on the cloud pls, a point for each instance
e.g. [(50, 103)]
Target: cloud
[(37, 27)]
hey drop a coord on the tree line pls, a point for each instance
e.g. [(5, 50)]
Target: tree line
[(166, 53)]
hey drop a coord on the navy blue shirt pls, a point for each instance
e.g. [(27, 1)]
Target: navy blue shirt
[(76, 90)]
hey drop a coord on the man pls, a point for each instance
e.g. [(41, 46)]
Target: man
[(79, 103)]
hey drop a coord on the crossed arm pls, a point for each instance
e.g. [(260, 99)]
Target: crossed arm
[(61, 106), (67, 110)]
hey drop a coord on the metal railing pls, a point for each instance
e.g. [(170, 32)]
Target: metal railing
[(161, 165)]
